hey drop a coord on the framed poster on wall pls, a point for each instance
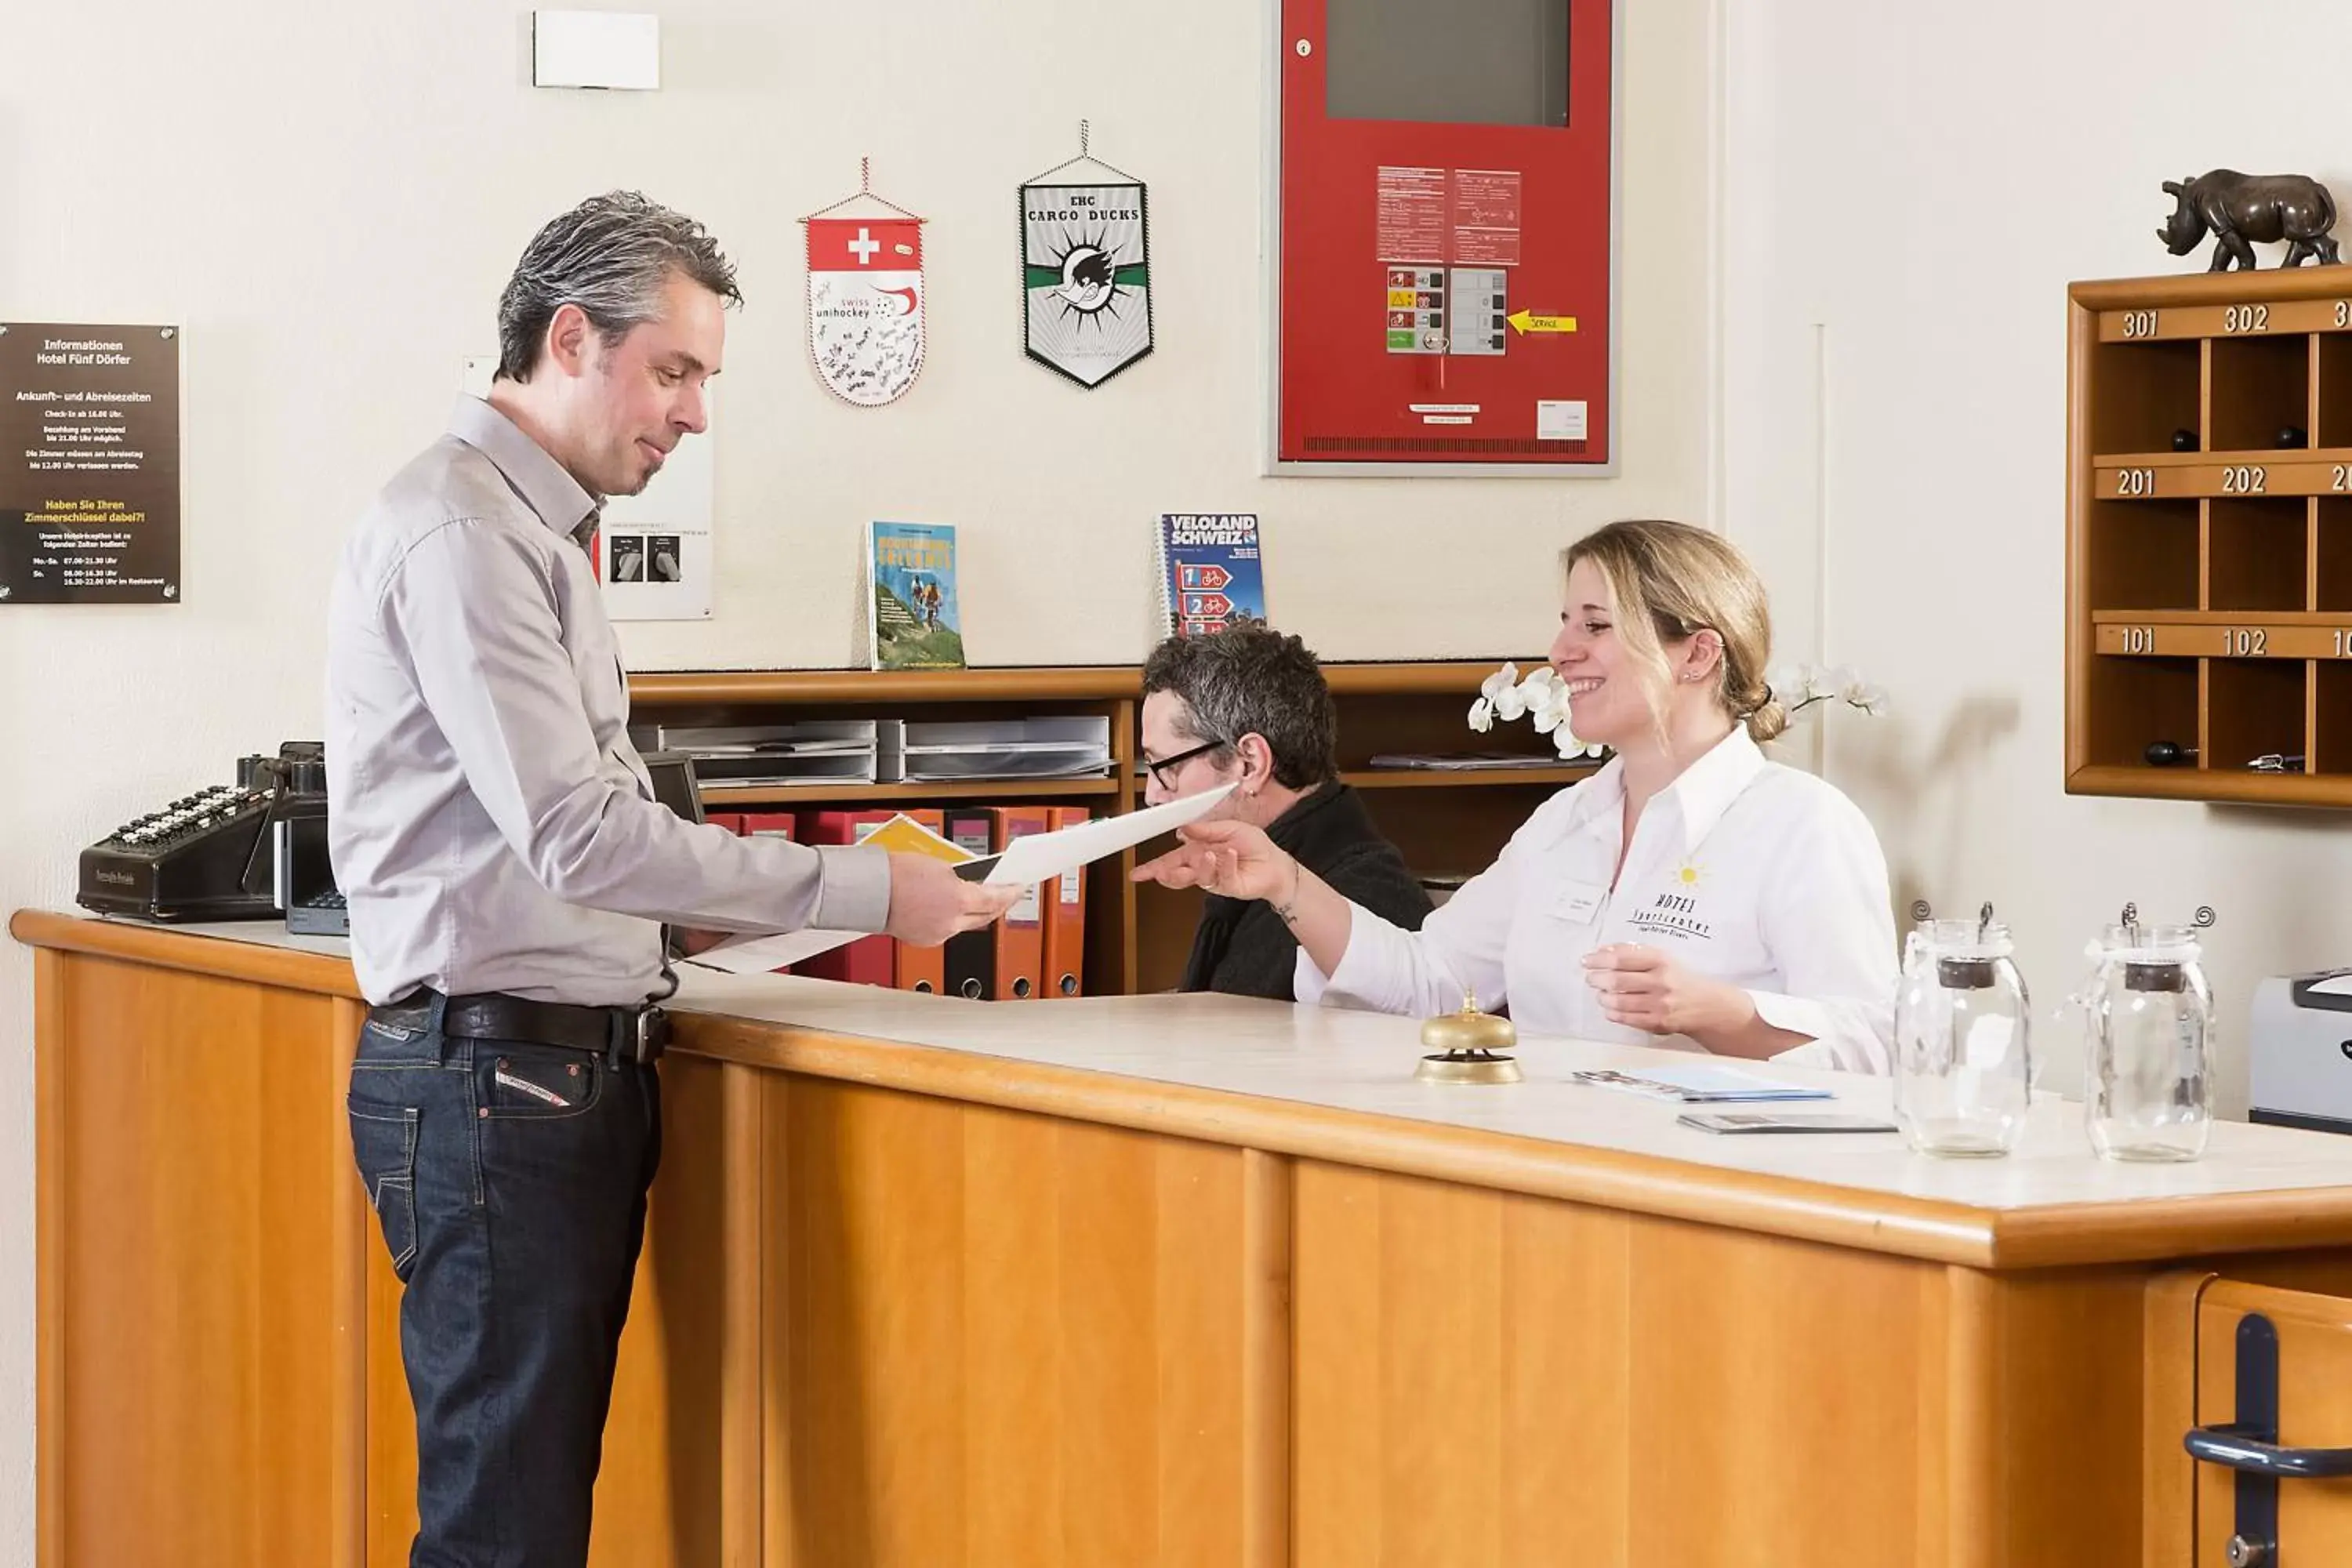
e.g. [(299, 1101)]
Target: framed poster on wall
[(1446, 213), (89, 464)]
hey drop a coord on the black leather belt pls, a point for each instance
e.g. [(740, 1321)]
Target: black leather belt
[(624, 1036)]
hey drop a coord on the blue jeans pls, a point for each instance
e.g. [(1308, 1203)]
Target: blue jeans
[(509, 1181)]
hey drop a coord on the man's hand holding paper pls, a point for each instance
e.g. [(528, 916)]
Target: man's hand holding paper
[(941, 902), (929, 904)]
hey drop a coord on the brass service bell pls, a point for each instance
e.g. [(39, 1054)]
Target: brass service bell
[(1466, 1048)]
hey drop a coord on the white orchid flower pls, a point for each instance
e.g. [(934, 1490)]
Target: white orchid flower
[(1793, 683), (1546, 699), (1565, 742), (1542, 696), (1543, 685), (1500, 692), (1799, 686)]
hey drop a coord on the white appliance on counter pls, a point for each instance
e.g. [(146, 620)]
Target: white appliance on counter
[(2299, 1051)]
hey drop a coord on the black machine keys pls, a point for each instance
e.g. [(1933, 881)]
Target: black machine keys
[(210, 855)]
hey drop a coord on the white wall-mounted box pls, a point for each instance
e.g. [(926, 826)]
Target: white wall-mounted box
[(595, 49)]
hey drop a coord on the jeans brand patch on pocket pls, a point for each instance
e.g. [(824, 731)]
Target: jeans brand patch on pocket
[(536, 1091)]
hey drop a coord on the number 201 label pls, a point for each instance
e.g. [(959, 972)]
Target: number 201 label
[(2135, 481)]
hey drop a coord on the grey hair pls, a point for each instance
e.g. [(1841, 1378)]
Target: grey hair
[(611, 256), (1249, 679)]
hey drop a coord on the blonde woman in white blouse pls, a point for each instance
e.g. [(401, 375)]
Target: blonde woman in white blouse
[(1691, 893)]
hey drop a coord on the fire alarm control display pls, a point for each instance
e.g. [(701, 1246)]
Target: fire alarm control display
[(1446, 255)]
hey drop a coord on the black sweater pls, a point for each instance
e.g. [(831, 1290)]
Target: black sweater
[(1241, 947)]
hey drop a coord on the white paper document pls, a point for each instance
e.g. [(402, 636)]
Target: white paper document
[(1041, 856), (1038, 857)]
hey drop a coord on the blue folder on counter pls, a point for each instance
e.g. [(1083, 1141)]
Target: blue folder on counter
[(1699, 1085)]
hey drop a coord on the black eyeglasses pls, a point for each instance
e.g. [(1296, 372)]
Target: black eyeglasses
[(1163, 769)]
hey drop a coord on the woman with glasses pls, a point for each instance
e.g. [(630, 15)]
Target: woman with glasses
[(1691, 893), (1247, 706)]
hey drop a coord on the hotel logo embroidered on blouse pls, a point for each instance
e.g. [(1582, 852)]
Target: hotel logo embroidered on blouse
[(1675, 914)]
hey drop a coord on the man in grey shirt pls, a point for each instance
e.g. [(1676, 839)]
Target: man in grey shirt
[(508, 872)]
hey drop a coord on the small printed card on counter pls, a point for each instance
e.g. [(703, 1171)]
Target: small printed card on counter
[(1703, 1084)]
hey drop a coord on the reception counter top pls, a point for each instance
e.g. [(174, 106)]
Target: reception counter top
[(1333, 1083), (1165, 1281)]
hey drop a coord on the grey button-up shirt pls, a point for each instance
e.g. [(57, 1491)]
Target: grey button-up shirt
[(492, 826)]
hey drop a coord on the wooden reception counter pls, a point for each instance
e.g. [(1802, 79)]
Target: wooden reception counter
[(1164, 1281)]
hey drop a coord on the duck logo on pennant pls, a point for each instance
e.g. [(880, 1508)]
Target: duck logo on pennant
[(1087, 276)]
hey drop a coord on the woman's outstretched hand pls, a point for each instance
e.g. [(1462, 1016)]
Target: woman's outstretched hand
[(1233, 859)]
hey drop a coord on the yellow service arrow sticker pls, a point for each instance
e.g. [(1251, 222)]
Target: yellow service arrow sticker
[(1527, 321)]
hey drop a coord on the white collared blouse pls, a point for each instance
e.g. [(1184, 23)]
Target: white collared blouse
[(1743, 870)]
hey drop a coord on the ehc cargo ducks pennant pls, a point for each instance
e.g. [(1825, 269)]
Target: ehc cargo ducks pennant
[(866, 299), (1085, 268)]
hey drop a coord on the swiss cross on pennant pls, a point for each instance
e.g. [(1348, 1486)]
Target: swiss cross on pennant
[(865, 306)]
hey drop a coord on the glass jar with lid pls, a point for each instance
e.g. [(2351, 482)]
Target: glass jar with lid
[(1963, 1051), (2148, 1022)]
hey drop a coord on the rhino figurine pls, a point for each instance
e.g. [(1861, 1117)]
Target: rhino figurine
[(2243, 208)]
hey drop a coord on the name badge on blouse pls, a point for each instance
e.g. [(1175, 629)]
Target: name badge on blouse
[(1578, 902)]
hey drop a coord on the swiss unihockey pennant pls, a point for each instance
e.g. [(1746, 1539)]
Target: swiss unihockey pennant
[(865, 306)]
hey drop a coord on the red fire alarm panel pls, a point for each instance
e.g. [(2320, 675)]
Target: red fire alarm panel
[(1446, 255)]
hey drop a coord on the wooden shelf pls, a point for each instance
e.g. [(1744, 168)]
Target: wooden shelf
[(2202, 299), (1137, 936), (1434, 778), (2222, 633), (884, 689), (726, 797), (2208, 592), (2283, 473), (2223, 785), (1073, 683)]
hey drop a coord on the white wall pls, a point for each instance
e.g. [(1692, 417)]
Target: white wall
[(1910, 190), (327, 196)]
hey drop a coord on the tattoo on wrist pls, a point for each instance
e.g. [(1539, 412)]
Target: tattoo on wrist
[(1286, 911)]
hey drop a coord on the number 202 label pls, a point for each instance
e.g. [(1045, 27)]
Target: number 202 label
[(2243, 481)]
